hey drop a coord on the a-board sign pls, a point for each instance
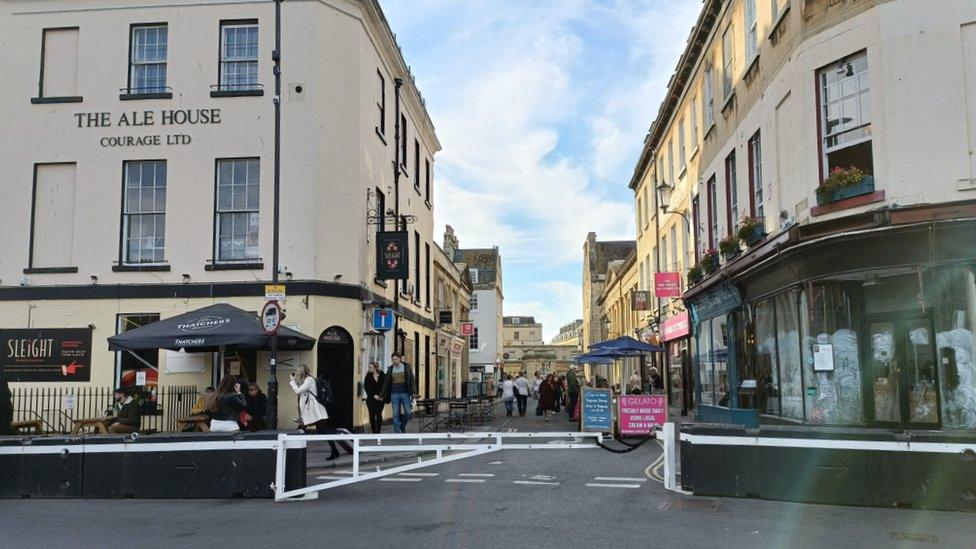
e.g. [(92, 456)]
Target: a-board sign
[(596, 407), (637, 415)]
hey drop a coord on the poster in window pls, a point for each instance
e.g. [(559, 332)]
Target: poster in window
[(392, 259), (46, 354)]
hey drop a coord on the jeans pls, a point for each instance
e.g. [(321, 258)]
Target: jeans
[(522, 401), (400, 419), (508, 407)]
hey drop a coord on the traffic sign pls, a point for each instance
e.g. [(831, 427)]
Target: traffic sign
[(271, 316), (274, 292), (383, 319)]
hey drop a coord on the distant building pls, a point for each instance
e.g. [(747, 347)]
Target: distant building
[(569, 335), (485, 269), (596, 256), (525, 351), (521, 331), (452, 306)]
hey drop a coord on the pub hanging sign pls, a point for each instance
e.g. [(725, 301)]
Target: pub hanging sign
[(46, 354), (392, 259)]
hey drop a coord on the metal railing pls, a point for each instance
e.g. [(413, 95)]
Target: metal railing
[(58, 407)]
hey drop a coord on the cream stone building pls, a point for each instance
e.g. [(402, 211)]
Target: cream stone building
[(618, 314), (525, 351), (597, 255), (487, 302), (521, 330), (569, 334), (136, 165), (837, 140), (452, 303)]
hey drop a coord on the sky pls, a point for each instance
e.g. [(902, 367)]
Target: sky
[(541, 108)]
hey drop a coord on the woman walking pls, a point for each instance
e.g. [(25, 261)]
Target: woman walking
[(227, 403), (310, 410), (547, 395), (373, 386), (507, 388)]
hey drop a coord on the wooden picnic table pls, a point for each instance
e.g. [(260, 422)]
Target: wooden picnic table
[(99, 424), (200, 422), (24, 427)]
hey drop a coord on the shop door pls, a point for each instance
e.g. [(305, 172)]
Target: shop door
[(335, 363), (904, 387)]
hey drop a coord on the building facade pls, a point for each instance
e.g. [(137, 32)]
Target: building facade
[(619, 315), (569, 334), (138, 171), (821, 214), (485, 345), (596, 256), (520, 331), (452, 303)]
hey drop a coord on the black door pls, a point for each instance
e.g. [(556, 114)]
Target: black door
[(335, 363), (903, 388)]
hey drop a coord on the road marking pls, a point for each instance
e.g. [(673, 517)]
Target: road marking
[(622, 479), (599, 485), (476, 474), (401, 479), (330, 477), (495, 462), (418, 474), (465, 480), (542, 477), (535, 482)]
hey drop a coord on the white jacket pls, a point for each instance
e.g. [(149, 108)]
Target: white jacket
[(309, 409), (508, 388)]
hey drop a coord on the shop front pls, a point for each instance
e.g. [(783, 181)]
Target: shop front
[(675, 338)]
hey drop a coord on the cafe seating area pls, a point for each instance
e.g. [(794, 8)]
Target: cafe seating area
[(455, 414)]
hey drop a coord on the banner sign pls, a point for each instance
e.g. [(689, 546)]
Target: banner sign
[(716, 301), (676, 327), (667, 284), (392, 259), (595, 407), (638, 414), (640, 300), (46, 354)]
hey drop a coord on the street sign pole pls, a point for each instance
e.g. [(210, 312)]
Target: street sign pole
[(272, 417)]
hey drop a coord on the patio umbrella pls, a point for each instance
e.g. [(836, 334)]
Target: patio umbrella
[(207, 330), (625, 344), (598, 357)]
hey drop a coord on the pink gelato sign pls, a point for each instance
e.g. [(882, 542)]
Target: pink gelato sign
[(638, 414)]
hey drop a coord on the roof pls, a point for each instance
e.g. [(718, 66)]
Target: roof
[(510, 320), (602, 253)]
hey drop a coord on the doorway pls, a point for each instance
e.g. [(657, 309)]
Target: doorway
[(335, 363), (903, 388)]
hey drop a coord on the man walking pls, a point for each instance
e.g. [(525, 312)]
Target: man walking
[(522, 390), (572, 380), (399, 389)]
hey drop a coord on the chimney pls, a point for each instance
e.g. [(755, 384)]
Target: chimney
[(450, 242)]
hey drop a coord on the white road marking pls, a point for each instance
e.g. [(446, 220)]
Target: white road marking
[(418, 474), (401, 479), (535, 482), (542, 477), (476, 474), (622, 479), (465, 480), (599, 485), (495, 462), (330, 477)]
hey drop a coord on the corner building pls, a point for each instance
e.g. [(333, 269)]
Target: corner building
[(136, 165)]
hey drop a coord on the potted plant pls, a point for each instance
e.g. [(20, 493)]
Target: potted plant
[(729, 246), (709, 261), (844, 183), (694, 274), (751, 230)]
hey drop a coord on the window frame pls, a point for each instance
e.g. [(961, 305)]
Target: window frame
[(403, 142), (473, 340), (123, 231), (381, 104), (215, 252), (822, 132), (756, 206), (696, 218), (728, 62), (712, 199), (237, 23), (416, 165), (682, 157), (751, 32), (731, 193), (693, 129), (164, 89), (427, 181), (708, 99)]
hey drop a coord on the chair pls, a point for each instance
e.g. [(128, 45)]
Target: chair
[(430, 421), (457, 416)]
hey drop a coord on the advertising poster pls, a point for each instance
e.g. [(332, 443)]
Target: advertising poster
[(597, 410), (638, 414), (46, 354), (667, 284)]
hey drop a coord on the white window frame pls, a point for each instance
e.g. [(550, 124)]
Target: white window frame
[(693, 116), (671, 162), (135, 246), (708, 108), (728, 61), (751, 32), (755, 158), (142, 59), (232, 212), (248, 61), (859, 127), (682, 159)]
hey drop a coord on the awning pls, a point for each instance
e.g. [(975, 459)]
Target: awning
[(626, 345), (207, 330)]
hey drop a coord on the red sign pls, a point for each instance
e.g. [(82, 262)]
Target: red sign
[(637, 415), (271, 317), (467, 329), (667, 284), (675, 327)]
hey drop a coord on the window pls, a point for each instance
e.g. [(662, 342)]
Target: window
[(129, 364), (416, 164), (403, 141), (664, 252), (674, 249), (671, 162), (144, 212), (147, 59), (427, 274), (238, 197), (517, 336), (845, 115), (238, 56), (755, 177), (474, 276), (696, 226), (427, 180), (473, 338), (728, 62), (640, 213), (831, 314), (381, 104), (681, 144), (731, 194), (53, 216), (752, 32), (712, 214), (708, 108), (767, 364), (647, 206), (778, 6), (416, 266), (694, 123), (380, 210), (59, 63), (474, 301)]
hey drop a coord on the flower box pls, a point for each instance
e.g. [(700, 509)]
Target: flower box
[(755, 235), (732, 254), (709, 262), (864, 186)]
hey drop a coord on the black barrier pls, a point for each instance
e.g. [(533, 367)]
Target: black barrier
[(210, 465), (873, 468)]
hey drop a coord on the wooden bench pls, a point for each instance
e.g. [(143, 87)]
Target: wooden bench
[(25, 427), (99, 424), (200, 422)]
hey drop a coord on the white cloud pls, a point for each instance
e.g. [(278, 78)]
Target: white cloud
[(555, 303)]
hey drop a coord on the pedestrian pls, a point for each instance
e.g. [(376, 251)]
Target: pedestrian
[(399, 389), (226, 404), (373, 387), (536, 383), (127, 414), (634, 382), (507, 391), (6, 408), (657, 382), (558, 385), (522, 390), (257, 408), (310, 410), (573, 389), (547, 396)]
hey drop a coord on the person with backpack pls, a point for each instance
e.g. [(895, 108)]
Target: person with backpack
[(310, 410), (399, 389)]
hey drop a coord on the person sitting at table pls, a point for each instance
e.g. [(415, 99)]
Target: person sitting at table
[(226, 403), (127, 417), (257, 407), (200, 406)]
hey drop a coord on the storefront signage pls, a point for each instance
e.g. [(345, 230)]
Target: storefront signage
[(675, 327), (467, 329), (274, 292), (383, 319), (716, 301), (640, 300), (392, 261), (667, 284), (457, 345), (595, 408), (147, 119), (637, 415), (46, 354)]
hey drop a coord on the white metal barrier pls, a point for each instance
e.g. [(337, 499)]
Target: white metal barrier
[(457, 443)]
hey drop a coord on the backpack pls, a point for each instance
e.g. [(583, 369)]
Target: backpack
[(323, 391)]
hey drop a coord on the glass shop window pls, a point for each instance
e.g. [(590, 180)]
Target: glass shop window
[(746, 378), (833, 390), (706, 369), (955, 321), (767, 365), (720, 359)]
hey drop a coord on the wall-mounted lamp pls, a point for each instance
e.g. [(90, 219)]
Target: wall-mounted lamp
[(288, 275)]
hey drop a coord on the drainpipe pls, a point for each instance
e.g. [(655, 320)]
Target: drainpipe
[(397, 83)]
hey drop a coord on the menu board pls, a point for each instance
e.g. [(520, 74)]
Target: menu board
[(597, 410), (639, 414)]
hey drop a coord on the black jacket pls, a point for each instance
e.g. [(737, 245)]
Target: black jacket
[(231, 406), (257, 407), (373, 387), (411, 381), (129, 414)]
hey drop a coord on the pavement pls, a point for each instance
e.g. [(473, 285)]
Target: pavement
[(511, 498)]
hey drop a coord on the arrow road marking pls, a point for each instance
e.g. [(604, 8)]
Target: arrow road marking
[(192, 468), (838, 466)]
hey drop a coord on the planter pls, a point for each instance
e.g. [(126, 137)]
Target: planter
[(710, 264), (864, 187), (729, 256), (755, 235)]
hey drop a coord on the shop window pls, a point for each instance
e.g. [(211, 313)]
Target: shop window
[(238, 186), (59, 63), (238, 56), (147, 59), (845, 115), (788, 355), (713, 360), (144, 212), (53, 215), (137, 370), (767, 363), (955, 323), (743, 335), (831, 317)]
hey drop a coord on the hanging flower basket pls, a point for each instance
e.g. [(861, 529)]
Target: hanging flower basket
[(751, 231), (844, 183), (709, 261), (729, 246)]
